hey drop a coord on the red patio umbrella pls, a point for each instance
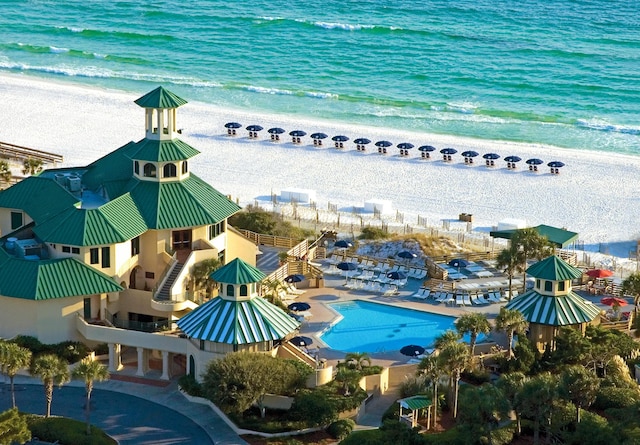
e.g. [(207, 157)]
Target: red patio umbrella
[(599, 273), (613, 301)]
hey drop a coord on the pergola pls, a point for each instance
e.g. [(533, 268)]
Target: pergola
[(414, 405)]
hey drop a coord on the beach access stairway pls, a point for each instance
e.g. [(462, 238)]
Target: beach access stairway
[(164, 293), (11, 151)]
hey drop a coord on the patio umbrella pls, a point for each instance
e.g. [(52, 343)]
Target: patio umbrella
[(383, 144), (295, 278), (275, 130), (458, 262), (319, 136), (362, 141), (233, 125), (491, 156), (469, 154), (301, 341), (407, 255), (613, 301), (299, 306), (534, 161), (427, 148), (405, 146), (397, 275), (340, 138), (346, 266), (254, 128), (412, 350), (343, 244), (513, 159), (599, 273), (555, 164), (297, 133), (448, 151)]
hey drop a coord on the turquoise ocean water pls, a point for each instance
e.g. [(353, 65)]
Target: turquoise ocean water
[(565, 73)]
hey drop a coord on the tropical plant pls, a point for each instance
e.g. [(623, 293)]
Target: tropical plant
[(358, 359), (201, 272), (473, 324), (13, 358), (511, 322), (431, 367), (511, 260), (446, 338), (5, 171), (531, 245), (511, 384), (482, 409), (455, 359), (631, 286), (272, 289), (579, 386), (536, 401), (349, 379), (90, 371), (31, 166), (13, 427), (52, 370)]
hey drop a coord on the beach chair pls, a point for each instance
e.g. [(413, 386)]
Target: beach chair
[(466, 299), (436, 296), (459, 300), (450, 298), (419, 293)]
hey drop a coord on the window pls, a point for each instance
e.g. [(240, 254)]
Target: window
[(16, 220), (136, 167), (243, 290), (185, 167), (66, 249), (561, 285), (230, 290), (216, 229), (106, 257), (75, 250), (94, 256), (538, 284), (135, 246), (149, 170), (548, 286), (169, 171)]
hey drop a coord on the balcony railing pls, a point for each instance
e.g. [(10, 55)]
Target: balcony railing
[(151, 326)]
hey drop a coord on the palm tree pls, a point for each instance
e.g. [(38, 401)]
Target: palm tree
[(31, 166), (511, 384), (536, 400), (358, 358), (52, 370), (531, 245), (200, 274), (446, 338), (511, 321), (473, 324), (5, 171), (579, 386), (13, 358), (631, 286), (431, 367), (273, 289), (511, 260), (455, 358), (90, 371), (484, 408)]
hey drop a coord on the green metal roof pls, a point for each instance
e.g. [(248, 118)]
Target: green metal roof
[(237, 272), (558, 237), (160, 98), (186, 203), (114, 222), (50, 279), (415, 402), (562, 310), (163, 151), (115, 166), (238, 322), (555, 269), (39, 197)]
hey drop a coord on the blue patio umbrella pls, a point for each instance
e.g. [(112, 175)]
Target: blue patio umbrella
[(362, 141), (513, 159), (491, 156), (534, 161), (469, 154), (427, 148), (297, 133), (299, 306), (407, 255), (383, 144), (556, 164), (405, 145), (319, 136), (295, 278), (343, 244), (340, 138), (412, 350), (233, 125), (397, 275), (346, 266), (275, 130), (448, 151), (301, 341), (254, 128), (458, 262)]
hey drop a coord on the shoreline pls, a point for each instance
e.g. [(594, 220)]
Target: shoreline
[(594, 195)]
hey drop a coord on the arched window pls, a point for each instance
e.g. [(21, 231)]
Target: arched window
[(243, 290), (185, 167), (149, 170), (136, 167), (169, 171), (230, 290)]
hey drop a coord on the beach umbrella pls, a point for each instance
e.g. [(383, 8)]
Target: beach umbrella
[(534, 161), (340, 138), (427, 148), (405, 146), (599, 273), (232, 125), (297, 133), (469, 154), (513, 159), (412, 350), (275, 130), (295, 278), (555, 164), (254, 128), (346, 266), (407, 255), (362, 141), (383, 144), (343, 244), (319, 136), (397, 275), (458, 262), (613, 301), (299, 306), (448, 151), (301, 341), (491, 156)]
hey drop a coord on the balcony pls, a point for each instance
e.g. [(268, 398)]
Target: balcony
[(152, 326), (178, 304)]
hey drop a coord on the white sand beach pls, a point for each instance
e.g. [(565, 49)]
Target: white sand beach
[(596, 194)]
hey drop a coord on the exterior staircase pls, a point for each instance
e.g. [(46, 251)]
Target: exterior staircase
[(164, 294)]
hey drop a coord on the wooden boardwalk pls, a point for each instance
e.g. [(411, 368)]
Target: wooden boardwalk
[(11, 151)]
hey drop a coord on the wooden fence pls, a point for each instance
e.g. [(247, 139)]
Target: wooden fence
[(18, 152)]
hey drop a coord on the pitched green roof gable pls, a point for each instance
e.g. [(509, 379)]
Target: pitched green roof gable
[(237, 272), (51, 279), (160, 98), (114, 222), (163, 151), (555, 269), (114, 167), (39, 197)]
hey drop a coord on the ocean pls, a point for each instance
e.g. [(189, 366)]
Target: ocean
[(564, 73)]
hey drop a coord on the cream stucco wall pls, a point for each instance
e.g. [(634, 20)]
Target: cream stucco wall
[(240, 247), (5, 220)]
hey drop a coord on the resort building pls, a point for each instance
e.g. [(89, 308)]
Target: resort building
[(103, 253)]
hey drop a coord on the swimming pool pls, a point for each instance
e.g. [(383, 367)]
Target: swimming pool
[(373, 327)]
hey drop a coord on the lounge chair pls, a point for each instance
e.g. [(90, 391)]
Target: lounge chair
[(419, 293), (459, 300), (436, 296), (466, 299)]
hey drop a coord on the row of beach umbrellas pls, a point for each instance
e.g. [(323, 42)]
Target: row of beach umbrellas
[(384, 144)]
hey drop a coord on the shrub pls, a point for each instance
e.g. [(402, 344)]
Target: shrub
[(609, 397), (341, 428), (314, 408), (71, 351), (63, 430), (31, 343), (373, 233), (190, 385), (476, 376)]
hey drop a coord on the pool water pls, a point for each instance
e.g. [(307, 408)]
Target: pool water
[(373, 327)]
